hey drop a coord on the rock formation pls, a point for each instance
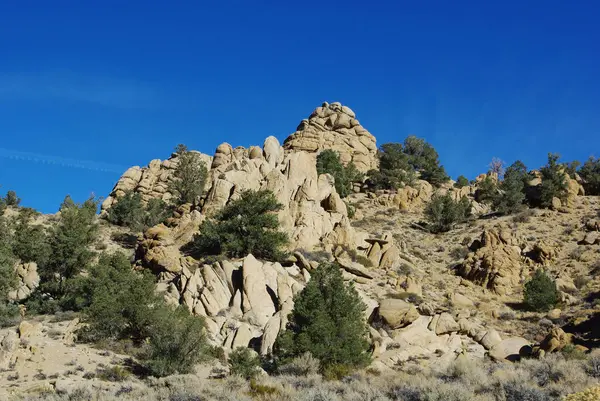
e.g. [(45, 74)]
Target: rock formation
[(242, 301), (28, 278), (150, 182), (333, 126), (494, 261)]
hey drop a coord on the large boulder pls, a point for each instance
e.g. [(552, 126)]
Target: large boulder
[(495, 260), (333, 126), (511, 349), (397, 313)]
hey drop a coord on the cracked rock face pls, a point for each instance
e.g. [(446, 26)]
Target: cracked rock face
[(495, 262), (333, 126)]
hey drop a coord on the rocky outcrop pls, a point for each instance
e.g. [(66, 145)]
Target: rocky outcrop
[(28, 280), (312, 210), (494, 261), (333, 126), (408, 198), (150, 182), (242, 301)]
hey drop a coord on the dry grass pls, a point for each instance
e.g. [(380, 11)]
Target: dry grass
[(464, 380)]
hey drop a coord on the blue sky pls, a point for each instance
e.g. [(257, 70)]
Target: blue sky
[(88, 89)]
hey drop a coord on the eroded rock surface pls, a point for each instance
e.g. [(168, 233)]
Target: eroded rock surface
[(333, 126)]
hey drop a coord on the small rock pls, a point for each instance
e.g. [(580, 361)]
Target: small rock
[(554, 314)]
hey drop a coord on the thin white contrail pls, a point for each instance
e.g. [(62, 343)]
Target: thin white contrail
[(61, 161)]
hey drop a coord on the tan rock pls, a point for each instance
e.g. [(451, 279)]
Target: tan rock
[(444, 324), (333, 126), (556, 340), (256, 298), (496, 261), (397, 313), (458, 300), (510, 349), (491, 339)]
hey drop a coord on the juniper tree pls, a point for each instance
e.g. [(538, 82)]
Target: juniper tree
[(327, 321), (512, 189), (189, 176), (328, 162), (246, 225), (554, 184)]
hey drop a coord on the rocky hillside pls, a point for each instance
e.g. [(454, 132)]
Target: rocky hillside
[(432, 299)]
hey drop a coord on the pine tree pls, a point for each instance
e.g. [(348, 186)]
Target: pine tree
[(512, 189), (69, 243), (540, 292), (189, 176), (461, 182), (327, 321), (328, 162), (246, 225), (590, 173), (554, 182), (443, 212)]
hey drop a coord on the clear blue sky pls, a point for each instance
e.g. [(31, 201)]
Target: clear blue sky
[(88, 90)]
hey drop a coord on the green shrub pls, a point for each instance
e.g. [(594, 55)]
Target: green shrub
[(11, 199), (487, 191), (130, 212), (116, 300), (8, 276), (540, 292), (31, 242), (244, 362), (69, 243), (113, 374), (461, 182), (157, 211), (554, 182), (443, 212), (511, 198), (327, 321), (189, 176), (590, 174), (336, 372), (303, 365), (328, 162), (425, 160), (119, 303), (177, 342), (258, 390), (394, 169), (399, 163), (246, 225)]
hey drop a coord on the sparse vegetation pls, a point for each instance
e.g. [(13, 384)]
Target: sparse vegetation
[(244, 362), (245, 226)]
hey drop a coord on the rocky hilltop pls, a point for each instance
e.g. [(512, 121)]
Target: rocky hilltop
[(432, 300)]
